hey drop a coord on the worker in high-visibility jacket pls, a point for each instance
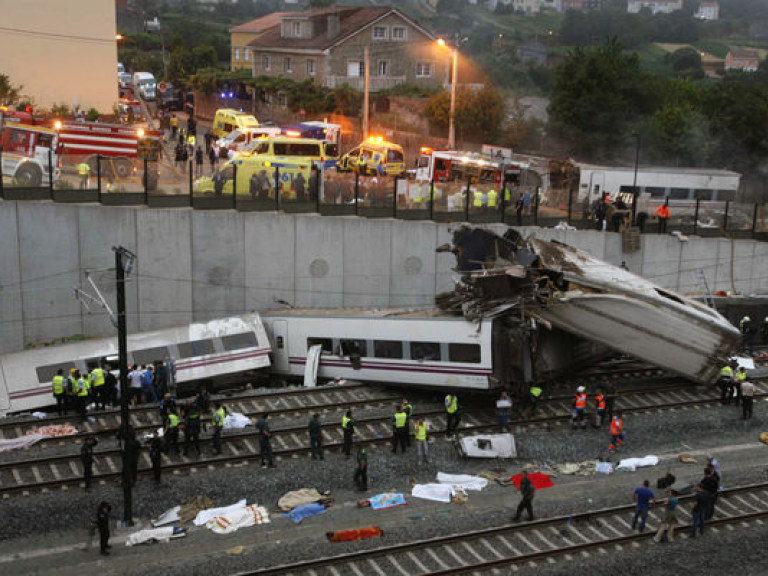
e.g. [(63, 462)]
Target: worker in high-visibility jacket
[(600, 408), (422, 446), (617, 431), (738, 379), (348, 428), (493, 199), (726, 383), (217, 422), (97, 385), (399, 430), (663, 214), (84, 171), (408, 409), (171, 431), (534, 395), (579, 408), (452, 416), (477, 199), (59, 392), (83, 388)]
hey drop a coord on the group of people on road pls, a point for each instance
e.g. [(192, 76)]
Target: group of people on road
[(735, 388)]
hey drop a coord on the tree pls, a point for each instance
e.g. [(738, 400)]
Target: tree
[(9, 94), (479, 114)]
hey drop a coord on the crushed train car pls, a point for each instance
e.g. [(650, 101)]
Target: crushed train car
[(565, 288)]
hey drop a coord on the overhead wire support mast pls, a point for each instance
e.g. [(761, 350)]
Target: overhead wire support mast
[(99, 299)]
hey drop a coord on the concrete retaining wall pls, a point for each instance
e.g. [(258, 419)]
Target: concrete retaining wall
[(196, 265)]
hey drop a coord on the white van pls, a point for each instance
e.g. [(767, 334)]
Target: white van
[(146, 84), (120, 68)]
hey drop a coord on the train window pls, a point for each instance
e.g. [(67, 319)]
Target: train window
[(46, 373), (388, 349), (196, 348), (240, 341), (425, 351), (467, 353), (726, 195), (149, 355), (679, 193), (326, 343), (353, 347), (656, 192), (701, 194)]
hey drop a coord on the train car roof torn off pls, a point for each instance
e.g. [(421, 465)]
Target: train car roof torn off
[(561, 287)]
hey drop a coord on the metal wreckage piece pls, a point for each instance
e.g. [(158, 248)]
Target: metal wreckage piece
[(547, 284)]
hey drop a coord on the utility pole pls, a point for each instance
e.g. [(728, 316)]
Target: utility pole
[(121, 269), (366, 91)]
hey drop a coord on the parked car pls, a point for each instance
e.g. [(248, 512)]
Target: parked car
[(124, 79)]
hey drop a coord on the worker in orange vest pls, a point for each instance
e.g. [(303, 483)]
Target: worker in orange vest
[(579, 408), (662, 213), (617, 431), (600, 407)]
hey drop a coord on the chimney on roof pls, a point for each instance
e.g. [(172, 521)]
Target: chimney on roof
[(333, 25)]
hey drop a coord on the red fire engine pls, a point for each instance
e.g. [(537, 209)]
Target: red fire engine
[(454, 166), (28, 149)]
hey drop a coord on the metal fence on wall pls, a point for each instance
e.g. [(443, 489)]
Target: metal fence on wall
[(169, 184)]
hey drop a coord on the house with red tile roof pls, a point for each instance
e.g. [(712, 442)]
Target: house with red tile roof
[(243, 34), (744, 60)]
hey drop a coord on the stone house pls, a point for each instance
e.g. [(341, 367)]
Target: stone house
[(708, 11), (244, 34), (744, 60), (655, 6), (327, 46)]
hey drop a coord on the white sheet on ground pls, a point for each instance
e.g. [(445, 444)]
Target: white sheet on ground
[(204, 515), (168, 517), (152, 535), (489, 446), (631, 464), (240, 518), (22, 442), (236, 420), (463, 481), (436, 492)]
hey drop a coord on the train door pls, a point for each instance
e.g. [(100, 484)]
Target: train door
[(596, 186), (280, 348)]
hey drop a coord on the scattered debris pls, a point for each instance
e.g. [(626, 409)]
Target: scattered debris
[(488, 446), (191, 507), (686, 459), (764, 437), (604, 468), (236, 420), (585, 468), (236, 550), (54, 430), (22, 442)]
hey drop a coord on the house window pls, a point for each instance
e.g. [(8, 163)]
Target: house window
[(246, 54), (265, 62), (288, 64), (237, 54), (379, 32), (383, 67), (355, 68), (297, 29), (310, 67), (399, 33), (282, 99), (423, 70)]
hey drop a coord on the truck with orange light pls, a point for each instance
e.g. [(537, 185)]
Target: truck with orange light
[(29, 149)]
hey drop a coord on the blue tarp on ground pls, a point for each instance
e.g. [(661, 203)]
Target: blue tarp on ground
[(301, 512)]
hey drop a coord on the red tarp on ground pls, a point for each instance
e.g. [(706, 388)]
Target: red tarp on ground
[(355, 534), (538, 480)]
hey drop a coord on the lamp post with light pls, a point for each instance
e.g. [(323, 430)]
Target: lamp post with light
[(452, 111), (636, 136)]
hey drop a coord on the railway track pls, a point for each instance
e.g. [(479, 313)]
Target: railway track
[(500, 550), (291, 439)]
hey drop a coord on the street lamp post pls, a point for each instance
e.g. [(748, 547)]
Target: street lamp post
[(636, 136), (452, 111)]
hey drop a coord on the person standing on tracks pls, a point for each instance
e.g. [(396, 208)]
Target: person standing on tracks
[(422, 443), (171, 432), (86, 457), (643, 498), (102, 523), (217, 422), (528, 491), (348, 427), (611, 394), (408, 408), (198, 161), (710, 483), (265, 441), (316, 437), (98, 382), (451, 415), (110, 385), (726, 377), (617, 431), (534, 395), (399, 430), (578, 419), (174, 125), (504, 412), (739, 378), (699, 512), (72, 390), (747, 399), (167, 404), (361, 470), (82, 394), (131, 451), (731, 384), (670, 518), (59, 392), (600, 407), (156, 455), (191, 426)]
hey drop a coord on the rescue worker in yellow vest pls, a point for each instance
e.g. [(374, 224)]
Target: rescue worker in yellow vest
[(217, 421), (507, 196), (399, 430), (171, 431), (82, 394), (71, 390), (362, 165), (534, 395), (477, 200), (408, 409), (422, 446), (84, 171), (99, 390), (579, 408), (739, 377), (493, 199), (725, 383), (600, 407), (348, 427), (617, 431), (59, 394), (452, 416)]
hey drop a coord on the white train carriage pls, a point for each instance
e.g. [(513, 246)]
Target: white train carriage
[(419, 348), (218, 352)]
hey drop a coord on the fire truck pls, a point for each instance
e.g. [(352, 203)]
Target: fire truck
[(28, 149), (455, 166)]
